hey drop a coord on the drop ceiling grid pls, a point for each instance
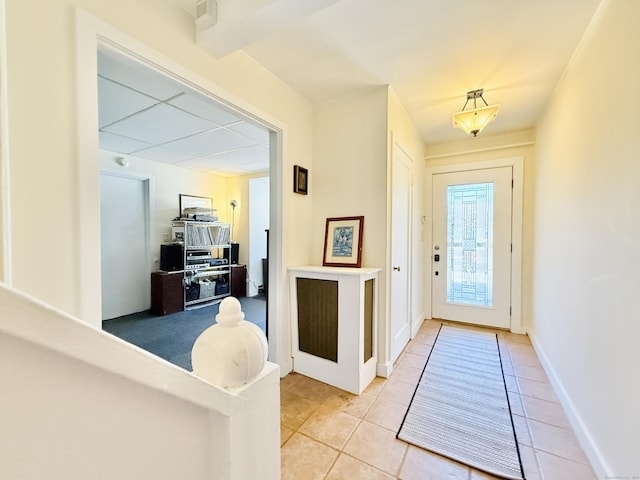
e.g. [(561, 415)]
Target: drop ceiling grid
[(145, 114)]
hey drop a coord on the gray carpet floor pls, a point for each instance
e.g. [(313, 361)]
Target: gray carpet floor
[(172, 336)]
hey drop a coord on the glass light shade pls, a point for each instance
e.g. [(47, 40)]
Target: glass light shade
[(473, 121)]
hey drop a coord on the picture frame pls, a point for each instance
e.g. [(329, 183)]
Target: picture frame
[(194, 202), (343, 242), (300, 180)]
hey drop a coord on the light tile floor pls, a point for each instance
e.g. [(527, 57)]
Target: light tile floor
[(327, 433)]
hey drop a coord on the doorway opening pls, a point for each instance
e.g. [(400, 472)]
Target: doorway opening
[(153, 123)]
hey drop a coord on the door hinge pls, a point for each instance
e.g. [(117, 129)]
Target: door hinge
[(511, 183), (511, 249), (509, 310)]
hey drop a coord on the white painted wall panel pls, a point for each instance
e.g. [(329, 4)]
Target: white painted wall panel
[(587, 241)]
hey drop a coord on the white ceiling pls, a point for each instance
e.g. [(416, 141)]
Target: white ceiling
[(431, 52), (146, 114)]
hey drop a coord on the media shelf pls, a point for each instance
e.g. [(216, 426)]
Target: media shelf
[(206, 271)]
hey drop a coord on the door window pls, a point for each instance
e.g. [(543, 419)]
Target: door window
[(470, 244)]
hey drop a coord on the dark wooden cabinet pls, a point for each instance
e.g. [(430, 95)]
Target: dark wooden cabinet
[(239, 281), (167, 293)]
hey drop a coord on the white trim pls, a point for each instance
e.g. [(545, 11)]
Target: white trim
[(60, 332), (416, 323), (517, 164), (92, 32), (5, 184), (586, 440), (479, 150), (235, 415), (384, 369), (278, 302)]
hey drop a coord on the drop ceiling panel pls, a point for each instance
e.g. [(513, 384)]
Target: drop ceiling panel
[(160, 124), (163, 154), (260, 134), (254, 167), (244, 155), (212, 142), (205, 108), (117, 102), (137, 76), (120, 144), (251, 159), (184, 129)]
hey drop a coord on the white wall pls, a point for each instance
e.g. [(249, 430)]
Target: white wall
[(167, 182), (352, 157), (349, 178), (587, 241)]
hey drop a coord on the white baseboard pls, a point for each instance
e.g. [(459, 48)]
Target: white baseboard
[(581, 430), (519, 330), (416, 324), (384, 369)]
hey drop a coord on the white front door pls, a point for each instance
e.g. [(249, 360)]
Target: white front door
[(400, 248), (471, 257)]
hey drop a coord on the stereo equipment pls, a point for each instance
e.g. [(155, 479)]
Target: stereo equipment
[(196, 266), (198, 255), (235, 251), (171, 257)]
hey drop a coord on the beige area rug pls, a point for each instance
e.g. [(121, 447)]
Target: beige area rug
[(460, 407)]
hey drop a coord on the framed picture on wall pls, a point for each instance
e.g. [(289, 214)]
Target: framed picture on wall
[(343, 242), (300, 180), (192, 204)]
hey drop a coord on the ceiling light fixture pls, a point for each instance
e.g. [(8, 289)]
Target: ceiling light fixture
[(473, 121)]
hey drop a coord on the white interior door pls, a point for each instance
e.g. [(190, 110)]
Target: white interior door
[(126, 281), (400, 247), (258, 224), (472, 246)]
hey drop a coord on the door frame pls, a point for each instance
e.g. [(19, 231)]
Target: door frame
[(5, 194), (91, 32), (517, 164)]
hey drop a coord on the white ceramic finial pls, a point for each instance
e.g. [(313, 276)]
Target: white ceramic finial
[(230, 312), (232, 352)]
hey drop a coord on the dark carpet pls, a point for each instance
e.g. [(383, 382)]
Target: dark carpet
[(172, 336)]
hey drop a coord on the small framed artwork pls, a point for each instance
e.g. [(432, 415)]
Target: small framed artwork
[(300, 179), (343, 242)]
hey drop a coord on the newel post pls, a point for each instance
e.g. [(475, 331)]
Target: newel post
[(232, 354)]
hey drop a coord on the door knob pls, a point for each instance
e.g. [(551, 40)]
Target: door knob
[(397, 269)]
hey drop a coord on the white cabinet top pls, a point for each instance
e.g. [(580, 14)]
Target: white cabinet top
[(335, 270)]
